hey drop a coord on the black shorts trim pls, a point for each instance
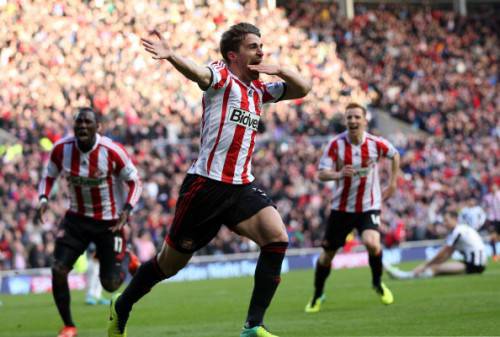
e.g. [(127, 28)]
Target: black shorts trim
[(204, 205)]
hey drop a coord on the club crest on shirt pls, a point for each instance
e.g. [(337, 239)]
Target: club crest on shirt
[(244, 118)]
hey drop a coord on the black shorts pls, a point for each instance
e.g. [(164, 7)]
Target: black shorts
[(494, 225), (204, 205), (471, 268), (340, 224), (75, 234)]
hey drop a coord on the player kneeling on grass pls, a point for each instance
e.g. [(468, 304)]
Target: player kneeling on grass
[(462, 238)]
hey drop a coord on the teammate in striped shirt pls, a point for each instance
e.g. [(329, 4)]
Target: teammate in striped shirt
[(97, 171), (219, 189), (491, 203), (462, 238), (350, 159)]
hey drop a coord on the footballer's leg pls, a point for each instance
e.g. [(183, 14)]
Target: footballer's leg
[(339, 225), (168, 262), (70, 244), (371, 240), (267, 229), (321, 273), (111, 252)]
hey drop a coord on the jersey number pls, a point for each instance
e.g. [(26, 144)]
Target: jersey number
[(118, 244), (376, 219)]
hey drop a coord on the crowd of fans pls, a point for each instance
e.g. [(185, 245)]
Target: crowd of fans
[(434, 69)]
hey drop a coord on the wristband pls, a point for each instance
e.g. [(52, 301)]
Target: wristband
[(43, 199)]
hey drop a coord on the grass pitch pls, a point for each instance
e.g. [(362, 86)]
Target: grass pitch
[(444, 306)]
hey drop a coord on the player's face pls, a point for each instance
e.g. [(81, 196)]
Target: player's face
[(356, 121), (250, 52), (85, 127), (449, 221)]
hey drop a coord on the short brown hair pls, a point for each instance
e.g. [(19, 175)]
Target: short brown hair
[(232, 38), (354, 105)]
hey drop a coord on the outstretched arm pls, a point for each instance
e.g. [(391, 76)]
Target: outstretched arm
[(297, 86), (443, 255), (160, 49)]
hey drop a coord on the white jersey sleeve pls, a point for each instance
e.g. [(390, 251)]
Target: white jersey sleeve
[(275, 92)]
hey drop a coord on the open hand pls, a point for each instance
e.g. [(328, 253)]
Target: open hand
[(40, 212), (157, 46), (122, 220), (270, 69), (348, 171)]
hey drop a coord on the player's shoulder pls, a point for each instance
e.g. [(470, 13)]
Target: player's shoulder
[(376, 138), (112, 145), (218, 65), (461, 228), (65, 140), (340, 137)]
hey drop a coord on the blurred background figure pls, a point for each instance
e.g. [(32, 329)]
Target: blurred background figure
[(94, 288), (462, 238), (492, 205)]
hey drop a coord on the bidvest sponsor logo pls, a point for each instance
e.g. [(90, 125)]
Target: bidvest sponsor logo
[(244, 118)]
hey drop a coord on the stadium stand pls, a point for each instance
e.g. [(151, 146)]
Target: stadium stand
[(431, 68)]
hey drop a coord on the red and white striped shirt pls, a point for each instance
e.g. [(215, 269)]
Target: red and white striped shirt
[(96, 178), (361, 192), (231, 114)]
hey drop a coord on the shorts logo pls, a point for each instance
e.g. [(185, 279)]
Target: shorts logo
[(187, 244), (244, 118)]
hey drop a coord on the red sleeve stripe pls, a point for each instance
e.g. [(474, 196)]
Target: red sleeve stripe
[(134, 192), (46, 185), (333, 150), (267, 96), (381, 147), (221, 68)]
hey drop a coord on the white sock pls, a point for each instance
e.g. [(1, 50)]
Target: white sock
[(398, 273), (427, 273)]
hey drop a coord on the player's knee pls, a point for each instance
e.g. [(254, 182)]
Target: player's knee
[(168, 270), (326, 257), (373, 247), (281, 237), (59, 270), (110, 284)]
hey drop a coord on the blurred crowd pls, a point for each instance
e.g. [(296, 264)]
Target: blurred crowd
[(434, 69)]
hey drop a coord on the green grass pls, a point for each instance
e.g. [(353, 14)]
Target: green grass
[(446, 306)]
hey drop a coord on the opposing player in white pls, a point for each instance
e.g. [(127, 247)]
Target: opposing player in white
[(463, 239), (472, 214)]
